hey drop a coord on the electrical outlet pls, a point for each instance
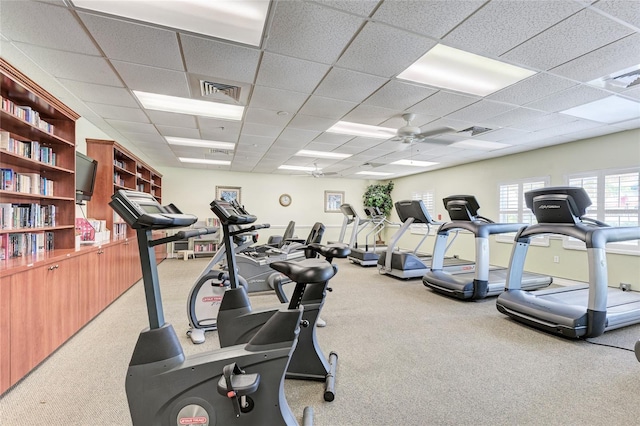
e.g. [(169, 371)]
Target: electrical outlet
[(625, 287), (556, 259)]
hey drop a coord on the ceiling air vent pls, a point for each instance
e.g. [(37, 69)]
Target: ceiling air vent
[(209, 88), (475, 130)]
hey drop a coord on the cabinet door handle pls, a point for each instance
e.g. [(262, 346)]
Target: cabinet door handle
[(52, 267)]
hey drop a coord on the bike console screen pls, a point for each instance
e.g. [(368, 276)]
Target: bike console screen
[(231, 213)]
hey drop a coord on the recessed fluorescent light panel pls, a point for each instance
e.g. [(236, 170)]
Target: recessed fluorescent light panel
[(478, 144), (298, 168), (189, 106), (199, 143), (612, 109), (238, 20), (320, 154), (374, 173), (362, 130), (466, 72), (414, 163), (204, 161)]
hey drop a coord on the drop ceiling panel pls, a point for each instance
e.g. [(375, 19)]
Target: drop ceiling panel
[(131, 127), (533, 88), (374, 115), (431, 18), (349, 85), (319, 106), (569, 98), (443, 103), (302, 136), (153, 80), (281, 72), (277, 99), (119, 112), (136, 43), (261, 130), (44, 25), (399, 95), (544, 122), (628, 11), (172, 119), (579, 34), (481, 111), (515, 117), (178, 132), (264, 116), (109, 95), (146, 138), (517, 21), (322, 39), (215, 58), (501, 135), (72, 66), (385, 51), (614, 57)]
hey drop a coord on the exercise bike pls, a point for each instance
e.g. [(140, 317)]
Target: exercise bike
[(238, 322), (240, 385)]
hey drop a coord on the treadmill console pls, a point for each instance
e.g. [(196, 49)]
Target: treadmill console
[(347, 210), (231, 213), (415, 209), (142, 211), (462, 207), (563, 204)]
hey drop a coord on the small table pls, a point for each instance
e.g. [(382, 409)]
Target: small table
[(185, 254)]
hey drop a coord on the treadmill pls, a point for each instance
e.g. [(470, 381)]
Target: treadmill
[(368, 256), (486, 280), (575, 311), (412, 264)]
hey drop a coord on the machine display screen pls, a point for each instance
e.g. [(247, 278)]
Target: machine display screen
[(148, 208)]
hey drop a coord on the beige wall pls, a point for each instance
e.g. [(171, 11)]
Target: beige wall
[(482, 179)]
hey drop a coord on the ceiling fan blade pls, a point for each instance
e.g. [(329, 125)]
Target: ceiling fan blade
[(434, 132)]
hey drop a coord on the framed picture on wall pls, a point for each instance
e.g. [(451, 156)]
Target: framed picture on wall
[(228, 193), (333, 200)]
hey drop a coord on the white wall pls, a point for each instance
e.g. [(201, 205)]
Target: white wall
[(482, 179)]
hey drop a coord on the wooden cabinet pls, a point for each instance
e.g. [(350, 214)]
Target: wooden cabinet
[(37, 158), (5, 333), (118, 169), (43, 313)]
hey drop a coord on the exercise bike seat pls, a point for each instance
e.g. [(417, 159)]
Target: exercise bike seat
[(330, 251), (305, 271)]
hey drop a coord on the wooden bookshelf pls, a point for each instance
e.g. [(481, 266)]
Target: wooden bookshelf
[(37, 155), (118, 169)]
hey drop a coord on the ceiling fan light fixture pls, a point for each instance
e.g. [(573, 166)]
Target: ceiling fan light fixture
[(455, 69)]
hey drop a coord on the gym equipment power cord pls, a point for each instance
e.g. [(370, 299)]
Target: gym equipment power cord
[(609, 346)]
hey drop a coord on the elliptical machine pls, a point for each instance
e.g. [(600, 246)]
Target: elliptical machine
[(238, 322), (240, 384)]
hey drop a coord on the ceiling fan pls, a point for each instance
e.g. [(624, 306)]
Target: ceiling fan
[(318, 173), (409, 134)]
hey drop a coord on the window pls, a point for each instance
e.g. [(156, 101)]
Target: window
[(513, 208), (428, 198), (614, 198)]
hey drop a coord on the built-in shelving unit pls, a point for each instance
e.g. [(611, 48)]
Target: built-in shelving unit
[(37, 180)]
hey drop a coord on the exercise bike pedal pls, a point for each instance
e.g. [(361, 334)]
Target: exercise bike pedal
[(196, 335)]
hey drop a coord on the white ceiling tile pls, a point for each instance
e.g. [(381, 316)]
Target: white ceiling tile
[(614, 57), (255, 141), (153, 80), (72, 66), (297, 134), (399, 95), (129, 42), (319, 106), (633, 93), (178, 132), (109, 95), (261, 130), (579, 34), (349, 85), (264, 116), (333, 138), (385, 51), (443, 103), (374, 115), (626, 10), (172, 119), (218, 59), (535, 87), (481, 111), (501, 135), (119, 112), (44, 25), (321, 39), (281, 72), (517, 21), (543, 122), (308, 122), (569, 98), (277, 99), (131, 127), (432, 18), (146, 138), (515, 117), (357, 7)]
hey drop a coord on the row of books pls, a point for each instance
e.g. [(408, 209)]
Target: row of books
[(25, 244), (119, 163), (27, 215), (118, 180), (27, 114), (27, 183), (28, 149)]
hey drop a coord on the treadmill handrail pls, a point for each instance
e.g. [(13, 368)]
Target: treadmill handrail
[(593, 236), (480, 228)]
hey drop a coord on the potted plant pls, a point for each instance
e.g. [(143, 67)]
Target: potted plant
[(379, 195)]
